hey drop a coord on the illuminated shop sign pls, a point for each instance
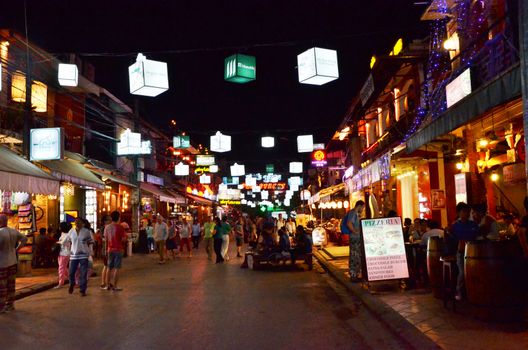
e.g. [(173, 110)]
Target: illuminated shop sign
[(181, 141), (240, 68), (199, 170), (205, 159), (270, 168), (46, 144), (319, 158), (131, 144), (229, 202), (155, 180), (317, 66), (459, 88), (147, 77)]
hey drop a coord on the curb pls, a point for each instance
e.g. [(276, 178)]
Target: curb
[(397, 324), (37, 288)]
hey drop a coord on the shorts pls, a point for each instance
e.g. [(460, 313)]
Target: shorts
[(239, 241), (114, 260)]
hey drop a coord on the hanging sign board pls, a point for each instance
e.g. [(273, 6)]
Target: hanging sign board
[(131, 143), (205, 159), (317, 66), (147, 77), (240, 68), (270, 168), (202, 169), (367, 90), (384, 249), (459, 88), (181, 141), (46, 144)]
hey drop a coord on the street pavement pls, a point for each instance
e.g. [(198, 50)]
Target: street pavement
[(193, 303)]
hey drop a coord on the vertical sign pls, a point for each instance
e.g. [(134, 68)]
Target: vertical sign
[(384, 249)]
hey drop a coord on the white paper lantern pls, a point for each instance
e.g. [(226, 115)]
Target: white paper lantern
[(68, 74), (264, 194), (305, 195), (251, 181), (238, 170), (295, 180), (305, 143), (243, 201), (317, 66), (268, 142), (147, 77), (220, 142), (205, 179), (294, 188), (287, 202), (255, 189), (181, 169), (296, 167)]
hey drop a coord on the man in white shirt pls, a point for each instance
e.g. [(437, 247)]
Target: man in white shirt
[(161, 233), (10, 241), (81, 241)]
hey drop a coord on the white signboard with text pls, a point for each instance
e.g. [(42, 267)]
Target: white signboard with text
[(459, 88), (384, 249), (46, 144)]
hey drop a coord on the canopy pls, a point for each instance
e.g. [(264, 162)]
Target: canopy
[(326, 192), (199, 200), (72, 171), (157, 192), (19, 175), (111, 177)]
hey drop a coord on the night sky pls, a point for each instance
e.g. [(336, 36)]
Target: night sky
[(194, 37)]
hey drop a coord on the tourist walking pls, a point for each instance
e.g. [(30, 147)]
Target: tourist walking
[(10, 241), (80, 240), (185, 236), (239, 235), (226, 230), (107, 220), (171, 241), (161, 233), (64, 254), (116, 238), (352, 228), (150, 236), (196, 233), (218, 240), (209, 227)]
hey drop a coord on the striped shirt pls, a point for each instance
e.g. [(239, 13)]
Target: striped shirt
[(80, 243)]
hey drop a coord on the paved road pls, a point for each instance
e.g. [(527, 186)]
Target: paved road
[(192, 303)]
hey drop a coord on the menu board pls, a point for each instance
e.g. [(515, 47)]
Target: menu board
[(384, 249)]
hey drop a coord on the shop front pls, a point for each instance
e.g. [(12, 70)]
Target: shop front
[(29, 199), (155, 200)]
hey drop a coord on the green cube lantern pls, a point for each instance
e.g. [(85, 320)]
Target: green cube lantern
[(240, 68)]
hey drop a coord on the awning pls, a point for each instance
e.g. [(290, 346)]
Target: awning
[(157, 192), (199, 200), (326, 192), (71, 171), (19, 175), (111, 177), (179, 198), (503, 89)]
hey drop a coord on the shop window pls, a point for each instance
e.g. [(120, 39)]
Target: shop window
[(39, 92)]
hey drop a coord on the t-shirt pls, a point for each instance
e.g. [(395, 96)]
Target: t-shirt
[(114, 235), (196, 228), (150, 231), (239, 230), (161, 232), (465, 231), (222, 229), (208, 229), (185, 230), (435, 232), (80, 243), (353, 218), (9, 238)]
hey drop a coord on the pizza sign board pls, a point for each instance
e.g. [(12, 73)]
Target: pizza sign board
[(384, 249)]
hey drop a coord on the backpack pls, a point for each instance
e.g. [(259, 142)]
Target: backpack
[(344, 228)]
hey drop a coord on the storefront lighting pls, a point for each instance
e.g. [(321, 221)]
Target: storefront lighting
[(334, 205), (483, 143), (452, 43), (345, 204), (459, 165), (494, 177), (268, 142), (339, 205), (69, 189)]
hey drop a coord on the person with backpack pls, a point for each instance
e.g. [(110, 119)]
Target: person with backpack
[(350, 225)]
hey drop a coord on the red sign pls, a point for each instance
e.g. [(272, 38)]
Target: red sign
[(319, 158)]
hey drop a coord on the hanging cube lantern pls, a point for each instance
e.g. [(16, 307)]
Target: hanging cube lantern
[(264, 195), (213, 168), (305, 195), (240, 68), (255, 189), (317, 66), (305, 143), (243, 201), (181, 169), (68, 74), (268, 141), (238, 170), (147, 77), (287, 202), (205, 179), (251, 181), (181, 141), (294, 188), (220, 142), (296, 167)]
